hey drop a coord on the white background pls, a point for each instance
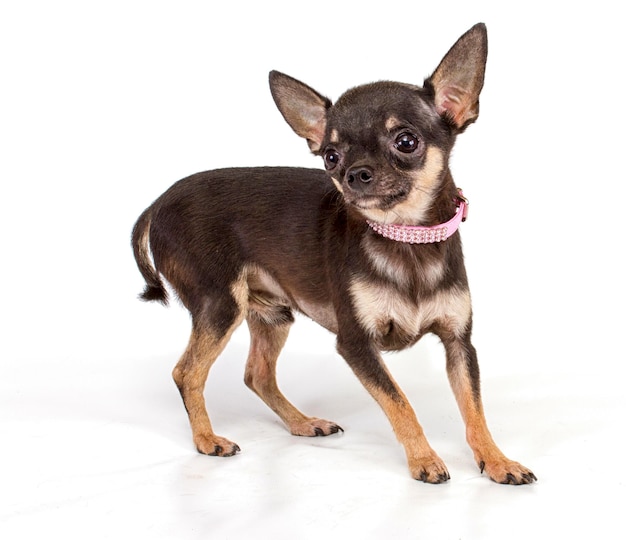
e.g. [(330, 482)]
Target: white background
[(104, 104)]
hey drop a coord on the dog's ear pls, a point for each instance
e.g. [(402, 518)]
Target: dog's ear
[(302, 107), (459, 78)]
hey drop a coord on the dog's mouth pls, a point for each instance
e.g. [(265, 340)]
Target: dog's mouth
[(382, 202)]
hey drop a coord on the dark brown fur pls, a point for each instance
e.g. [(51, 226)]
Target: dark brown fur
[(258, 243)]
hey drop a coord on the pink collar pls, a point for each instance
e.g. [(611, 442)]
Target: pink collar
[(411, 234)]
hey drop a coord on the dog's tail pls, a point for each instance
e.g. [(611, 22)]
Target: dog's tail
[(141, 248)]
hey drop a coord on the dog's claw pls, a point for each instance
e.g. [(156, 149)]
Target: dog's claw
[(507, 472), (233, 451), (314, 427), (525, 478), (212, 445), (319, 432), (440, 478)]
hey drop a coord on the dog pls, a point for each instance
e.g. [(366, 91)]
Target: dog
[(368, 248)]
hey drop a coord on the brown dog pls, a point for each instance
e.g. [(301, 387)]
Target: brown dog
[(367, 249)]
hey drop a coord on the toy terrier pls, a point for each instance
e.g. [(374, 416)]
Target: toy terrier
[(368, 248)]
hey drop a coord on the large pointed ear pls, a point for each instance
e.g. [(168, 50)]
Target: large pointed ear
[(458, 80), (302, 107)]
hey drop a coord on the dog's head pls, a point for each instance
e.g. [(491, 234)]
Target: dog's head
[(386, 145)]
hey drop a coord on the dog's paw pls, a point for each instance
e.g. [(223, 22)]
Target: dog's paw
[(430, 470), (314, 427), (212, 445), (505, 471)]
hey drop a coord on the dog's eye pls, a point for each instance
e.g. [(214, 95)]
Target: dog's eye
[(331, 159), (406, 143)]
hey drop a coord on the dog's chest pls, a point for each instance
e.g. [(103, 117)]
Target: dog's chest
[(395, 320)]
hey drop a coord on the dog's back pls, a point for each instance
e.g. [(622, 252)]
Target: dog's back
[(195, 233)]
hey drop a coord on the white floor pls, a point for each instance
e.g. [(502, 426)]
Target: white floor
[(104, 451), (104, 105)]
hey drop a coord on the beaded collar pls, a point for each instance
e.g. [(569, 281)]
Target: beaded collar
[(412, 234)]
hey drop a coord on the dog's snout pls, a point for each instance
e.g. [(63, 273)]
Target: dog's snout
[(359, 178)]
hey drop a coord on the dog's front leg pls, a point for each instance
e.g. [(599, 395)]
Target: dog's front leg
[(367, 364), (463, 373)]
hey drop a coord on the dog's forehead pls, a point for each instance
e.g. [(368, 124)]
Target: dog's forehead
[(381, 105)]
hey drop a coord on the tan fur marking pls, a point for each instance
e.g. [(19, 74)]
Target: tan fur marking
[(334, 136), (144, 243), (190, 375), (486, 453), (259, 279), (377, 305), (265, 345), (337, 185), (264, 291), (433, 273), (423, 461), (398, 273), (192, 370), (241, 292), (413, 210), (391, 123)]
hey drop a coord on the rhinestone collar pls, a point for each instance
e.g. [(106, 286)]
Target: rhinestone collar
[(412, 234)]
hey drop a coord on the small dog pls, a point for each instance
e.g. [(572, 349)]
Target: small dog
[(368, 249)]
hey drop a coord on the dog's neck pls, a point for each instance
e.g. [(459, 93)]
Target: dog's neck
[(411, 234)]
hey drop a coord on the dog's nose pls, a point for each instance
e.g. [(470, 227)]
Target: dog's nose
[(359, 178)]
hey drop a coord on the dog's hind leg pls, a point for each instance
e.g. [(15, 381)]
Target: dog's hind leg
[(266, 342), (205, 345)]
